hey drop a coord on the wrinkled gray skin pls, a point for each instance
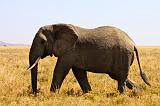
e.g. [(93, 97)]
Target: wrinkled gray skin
[(104, 49)]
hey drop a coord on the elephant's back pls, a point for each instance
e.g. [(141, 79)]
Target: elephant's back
[(105, 37), (116, 37)]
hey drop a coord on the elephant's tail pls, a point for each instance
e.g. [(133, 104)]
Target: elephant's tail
[(143, 75)]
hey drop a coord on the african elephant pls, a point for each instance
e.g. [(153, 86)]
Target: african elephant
[(103, 49)]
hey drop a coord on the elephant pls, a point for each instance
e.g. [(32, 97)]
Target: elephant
[(105, 49)]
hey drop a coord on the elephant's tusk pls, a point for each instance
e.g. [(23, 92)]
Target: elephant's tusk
[(43, 36), (34, 63)]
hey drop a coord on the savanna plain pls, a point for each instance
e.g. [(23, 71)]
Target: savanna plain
[(15, 82)]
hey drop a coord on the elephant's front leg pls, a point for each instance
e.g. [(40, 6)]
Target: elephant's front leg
[(82, 79), (61, 70)]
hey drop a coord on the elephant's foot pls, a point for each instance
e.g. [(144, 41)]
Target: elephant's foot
[(54, 88), (86, 89), (121, 86), (130, 84)]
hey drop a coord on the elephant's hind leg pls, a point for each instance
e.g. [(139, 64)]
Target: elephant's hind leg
[(82, 79), (124, 66), (130, 84), (121, 81), (121, 84)]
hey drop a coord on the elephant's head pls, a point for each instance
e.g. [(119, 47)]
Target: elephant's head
[(51, 39)]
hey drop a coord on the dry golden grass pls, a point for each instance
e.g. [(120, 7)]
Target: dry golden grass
[(15, 82)]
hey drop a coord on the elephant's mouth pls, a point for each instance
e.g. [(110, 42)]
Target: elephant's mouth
[(42, 57), (46, 53)]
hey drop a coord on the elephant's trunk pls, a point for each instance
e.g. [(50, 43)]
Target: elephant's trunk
[(34, 79), (33, 61)]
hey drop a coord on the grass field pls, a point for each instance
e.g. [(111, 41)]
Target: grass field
[(15, 84)]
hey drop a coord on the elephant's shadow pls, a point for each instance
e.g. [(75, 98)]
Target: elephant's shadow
[(133, 93), (71, 92), (77, 93), (111, 94)]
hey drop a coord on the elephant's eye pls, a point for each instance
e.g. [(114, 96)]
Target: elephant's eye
[(42, 41)]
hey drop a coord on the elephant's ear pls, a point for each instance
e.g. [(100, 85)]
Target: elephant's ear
[(65, 39)]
